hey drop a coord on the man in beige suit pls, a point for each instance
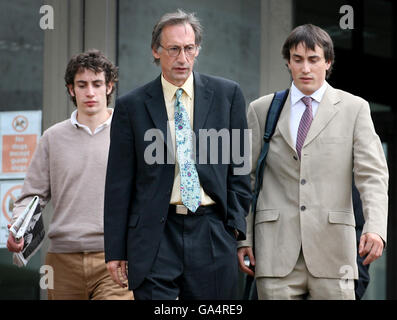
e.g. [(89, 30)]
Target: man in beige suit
[(305, 245)]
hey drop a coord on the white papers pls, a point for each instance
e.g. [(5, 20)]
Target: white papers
[(30, 226)]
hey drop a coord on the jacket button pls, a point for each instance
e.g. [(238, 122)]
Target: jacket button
[(303, 208), (162, 220), (303, 182), (295, 157)]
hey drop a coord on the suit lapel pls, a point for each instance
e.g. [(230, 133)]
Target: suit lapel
[(326, 111), (202, 105), (284, 122), (202, 102), (155, 106)]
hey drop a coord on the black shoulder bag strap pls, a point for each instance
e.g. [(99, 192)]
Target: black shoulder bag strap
[(273, 115)]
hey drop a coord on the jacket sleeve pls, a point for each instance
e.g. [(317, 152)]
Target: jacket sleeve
[(370, 173), (256, 141), (119, 183), (238, 185)]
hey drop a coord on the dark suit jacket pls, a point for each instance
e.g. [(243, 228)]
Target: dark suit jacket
[(362, 282), (137, 194)]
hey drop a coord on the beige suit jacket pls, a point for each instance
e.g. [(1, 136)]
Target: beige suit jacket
[(307, 203)]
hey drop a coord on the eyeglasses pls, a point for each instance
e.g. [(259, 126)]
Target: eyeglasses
[(174, 51)]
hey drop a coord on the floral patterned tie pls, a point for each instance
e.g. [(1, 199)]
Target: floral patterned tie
[(190, 184)]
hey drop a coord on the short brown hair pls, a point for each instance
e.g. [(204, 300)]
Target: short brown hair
[(310, 36), (175, 18), (95, 61)]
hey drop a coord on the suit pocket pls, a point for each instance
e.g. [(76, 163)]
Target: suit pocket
[(266, 216), (133, 221), (342, 217)]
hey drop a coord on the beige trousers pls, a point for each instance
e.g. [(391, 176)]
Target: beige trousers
[(83, 276), (300, 284)]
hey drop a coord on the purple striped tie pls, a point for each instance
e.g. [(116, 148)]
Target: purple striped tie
[(304, 124)]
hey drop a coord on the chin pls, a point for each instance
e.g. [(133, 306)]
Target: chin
[(91, 111), (179, 80), (307, 90)]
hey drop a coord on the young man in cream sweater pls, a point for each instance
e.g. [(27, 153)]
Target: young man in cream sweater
[(68, 168)]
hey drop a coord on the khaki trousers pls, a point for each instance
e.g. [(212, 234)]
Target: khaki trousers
[(300, 284), (83, 276)]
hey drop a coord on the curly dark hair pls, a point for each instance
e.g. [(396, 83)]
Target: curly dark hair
[(93, 60)]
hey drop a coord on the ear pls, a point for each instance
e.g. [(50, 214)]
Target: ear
[(197, 51), (71, 89), (155, 54), (328, 63), (109, 87)]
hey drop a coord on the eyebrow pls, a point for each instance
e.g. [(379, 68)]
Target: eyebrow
[(84, 81), (310, 57), (186, 45)]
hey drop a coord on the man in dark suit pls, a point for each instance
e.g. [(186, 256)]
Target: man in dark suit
[(176, 219)]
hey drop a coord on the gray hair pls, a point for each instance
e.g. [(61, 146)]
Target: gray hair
[(175, 18)]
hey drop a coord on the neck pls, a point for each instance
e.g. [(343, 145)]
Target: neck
[(92, 121), (175, 82)]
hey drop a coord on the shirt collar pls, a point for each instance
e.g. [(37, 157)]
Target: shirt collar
[(169, 89), (296, 94), (75, 123)]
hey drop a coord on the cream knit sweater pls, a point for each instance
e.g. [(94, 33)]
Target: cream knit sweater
[(69, 167)]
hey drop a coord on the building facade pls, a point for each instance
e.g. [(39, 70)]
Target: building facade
[(242, 41)]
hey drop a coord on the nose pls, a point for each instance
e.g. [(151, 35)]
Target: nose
[(305, 67), (90, 91), (182, 57)]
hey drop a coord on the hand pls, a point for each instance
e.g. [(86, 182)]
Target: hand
[(371, 245), (114, 267), (243, 252), (12, 244)]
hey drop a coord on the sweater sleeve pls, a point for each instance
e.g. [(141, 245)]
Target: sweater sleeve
[(37, 180)]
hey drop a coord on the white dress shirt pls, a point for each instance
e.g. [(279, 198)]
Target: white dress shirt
[(298, 107)]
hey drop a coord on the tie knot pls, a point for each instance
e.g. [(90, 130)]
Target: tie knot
[(307, 101), (179, 93)]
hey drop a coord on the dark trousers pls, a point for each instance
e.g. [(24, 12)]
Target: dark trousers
[(197, 260)]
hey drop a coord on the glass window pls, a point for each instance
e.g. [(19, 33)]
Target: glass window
[(378, 107), (326, 16), (21, 56), (378, 28)]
